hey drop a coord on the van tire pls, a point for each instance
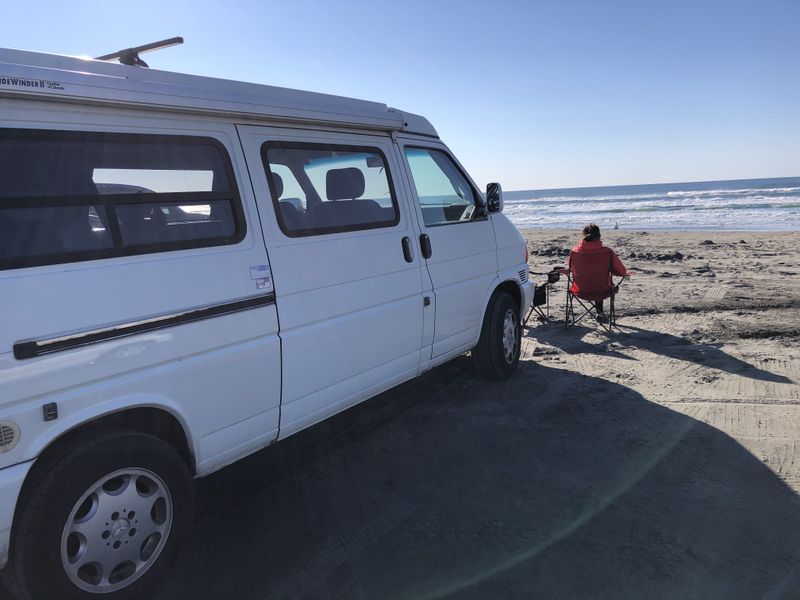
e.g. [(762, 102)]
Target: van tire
[(496, 356), (39, 534)]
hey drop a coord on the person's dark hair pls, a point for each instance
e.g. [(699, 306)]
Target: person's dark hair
[(591, 233)]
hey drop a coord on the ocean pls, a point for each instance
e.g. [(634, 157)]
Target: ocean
[(742, 204)]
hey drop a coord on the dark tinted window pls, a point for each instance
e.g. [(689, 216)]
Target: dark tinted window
[(320, 189), (148, 223), (69, 196)]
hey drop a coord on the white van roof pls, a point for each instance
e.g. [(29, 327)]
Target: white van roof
[(69, 78)]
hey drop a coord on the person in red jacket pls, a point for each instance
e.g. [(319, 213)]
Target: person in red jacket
[(592, 244)]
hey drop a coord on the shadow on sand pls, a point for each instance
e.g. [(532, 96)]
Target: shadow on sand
[(549, 485), (571, 340)]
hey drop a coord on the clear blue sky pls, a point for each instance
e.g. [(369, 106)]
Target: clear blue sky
[(532, 94)]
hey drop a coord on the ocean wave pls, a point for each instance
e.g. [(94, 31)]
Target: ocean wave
[(747, 204), (737, 192), (601, 208), (753, 220), (667, 196)]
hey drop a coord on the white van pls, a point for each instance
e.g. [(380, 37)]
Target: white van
[(192, 269)]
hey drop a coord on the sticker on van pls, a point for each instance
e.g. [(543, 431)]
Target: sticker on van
[(24, 82), (261, 275)]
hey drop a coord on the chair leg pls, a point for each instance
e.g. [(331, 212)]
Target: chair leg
[(588, 309), (528, 316), (569, 313), (547, 289), (540, 314), (612, 314), (567, 310)]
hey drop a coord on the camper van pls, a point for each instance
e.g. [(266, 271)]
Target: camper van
[(192, 269)]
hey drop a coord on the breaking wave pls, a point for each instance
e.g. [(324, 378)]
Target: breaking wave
[(766, 204)]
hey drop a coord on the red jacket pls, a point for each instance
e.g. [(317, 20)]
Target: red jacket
[(590, 263), (596, 247)]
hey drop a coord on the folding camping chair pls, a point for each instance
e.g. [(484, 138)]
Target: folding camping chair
[(541, 296), (589, 279)]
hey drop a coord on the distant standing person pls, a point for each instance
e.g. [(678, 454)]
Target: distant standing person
[(592, 244)]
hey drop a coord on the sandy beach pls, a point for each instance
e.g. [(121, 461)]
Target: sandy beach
[(709, 327), (658, 462)]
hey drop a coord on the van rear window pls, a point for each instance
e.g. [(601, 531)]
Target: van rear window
[(72, 196)]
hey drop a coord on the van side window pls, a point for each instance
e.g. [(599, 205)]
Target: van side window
[(73, 196), (445, 195), (291, 191), (318, 189)]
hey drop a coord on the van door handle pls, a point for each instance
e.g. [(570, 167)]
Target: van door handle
[(407, 250), (425, 244)]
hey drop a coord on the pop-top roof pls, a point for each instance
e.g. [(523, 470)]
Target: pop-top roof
[(69, 78)]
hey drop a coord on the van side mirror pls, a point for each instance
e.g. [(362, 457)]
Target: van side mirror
[(373, 160), (494, 197)]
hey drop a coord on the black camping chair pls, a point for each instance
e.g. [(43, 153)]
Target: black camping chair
[(541, 296)]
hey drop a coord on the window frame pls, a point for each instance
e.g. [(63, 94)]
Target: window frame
[(110, 201), (481, 214), (298, 233)]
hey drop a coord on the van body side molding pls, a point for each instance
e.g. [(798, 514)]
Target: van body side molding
[(34, 348)]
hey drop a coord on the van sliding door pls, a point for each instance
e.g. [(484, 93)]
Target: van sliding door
[(345, 265)]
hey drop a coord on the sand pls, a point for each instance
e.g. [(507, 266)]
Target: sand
[(658, 462), (709, 327)]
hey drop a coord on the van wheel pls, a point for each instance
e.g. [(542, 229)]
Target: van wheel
[(103, 521), (497, 354)]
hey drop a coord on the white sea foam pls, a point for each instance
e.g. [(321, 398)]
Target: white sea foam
[(755, 208)]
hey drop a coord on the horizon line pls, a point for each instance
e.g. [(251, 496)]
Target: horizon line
[(586, 187)]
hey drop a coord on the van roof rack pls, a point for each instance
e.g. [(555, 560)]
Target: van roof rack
[(130, 56)]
